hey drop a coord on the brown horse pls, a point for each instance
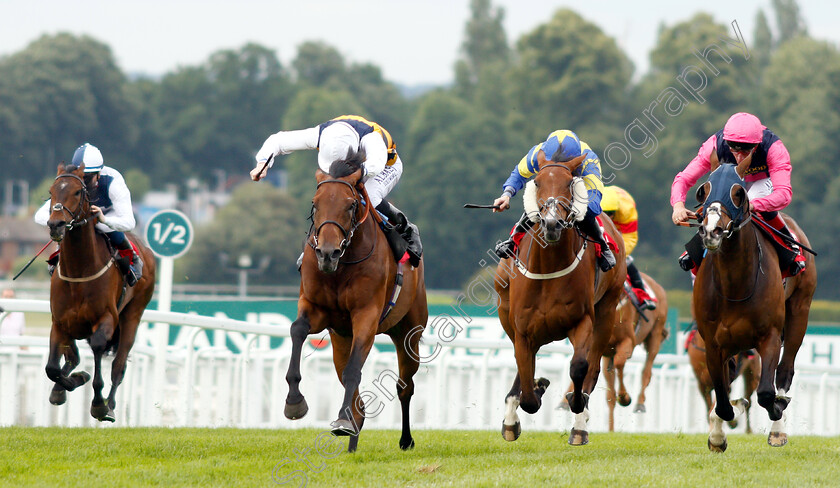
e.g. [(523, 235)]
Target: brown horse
[(88, 296), (555, 292), (746, 364), (741, 302), (348, 278), (631, 330)]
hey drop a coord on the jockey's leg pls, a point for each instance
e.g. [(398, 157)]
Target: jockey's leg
[(505, 249), (409, 231), (590, 227), (129, 261), (777, 222), (52, 261), (638, 284), (693, 254)]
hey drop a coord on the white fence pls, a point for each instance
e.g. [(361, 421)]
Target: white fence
[(461, 387)]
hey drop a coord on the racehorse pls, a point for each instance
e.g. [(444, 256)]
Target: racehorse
[(631, 330), (348, 278), (741, 302), (89, 298), (555, 291), (745, 364)]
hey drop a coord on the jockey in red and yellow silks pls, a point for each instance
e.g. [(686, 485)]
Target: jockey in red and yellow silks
[(619, 205)]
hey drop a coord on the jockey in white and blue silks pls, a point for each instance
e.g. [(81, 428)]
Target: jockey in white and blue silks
[(335, 140), (559, 146), (110, 202)]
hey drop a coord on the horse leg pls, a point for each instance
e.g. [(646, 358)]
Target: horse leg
[(530, 397), (99, 344), (564, 403), (769, 350), (796, 322), (511, 428), (351, 415), (58, 395), (652, 345), (581, 339), (407, 345), (296, 406), (58, 374), (751, 372), (608, 369), (723, 411), (622, 353)]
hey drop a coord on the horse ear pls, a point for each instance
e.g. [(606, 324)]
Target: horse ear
[(703, 192), (60, 168), (80, 171), (739, 197), (714, 161), (741, 168), (575, 163), (541, 161)]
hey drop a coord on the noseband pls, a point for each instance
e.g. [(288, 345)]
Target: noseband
[(348, 234), (59, 207)]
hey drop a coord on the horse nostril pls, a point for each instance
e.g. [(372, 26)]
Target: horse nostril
[(335, 255), (702, 231), (718, 231)]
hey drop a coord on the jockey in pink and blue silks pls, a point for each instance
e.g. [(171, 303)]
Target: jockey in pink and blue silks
[(559, 146), (767, 178)]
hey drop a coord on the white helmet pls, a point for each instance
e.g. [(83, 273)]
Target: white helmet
[(336, 140), (90, 156)]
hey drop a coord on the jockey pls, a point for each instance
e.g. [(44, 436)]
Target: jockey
[(110, 203), (339, 138), (767, 178), (619, 206), (561, 145)]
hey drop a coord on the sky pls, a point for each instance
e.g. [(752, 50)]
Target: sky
[(414, 42)]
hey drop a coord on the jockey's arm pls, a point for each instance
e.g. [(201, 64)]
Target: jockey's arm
[(779, 167), (285, 142), (590, 171), (376, 153), (700, 165), (121, 216)]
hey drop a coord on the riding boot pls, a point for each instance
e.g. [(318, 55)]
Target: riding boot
[(798, 263), (408, 230), (52, 261), (129, 262), (590, 227), (505, 249), (645, 300)]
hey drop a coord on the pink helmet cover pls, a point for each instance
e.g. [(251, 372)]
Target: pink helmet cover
[(743, 127)]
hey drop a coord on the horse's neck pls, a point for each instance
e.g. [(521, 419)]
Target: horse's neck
[(79, 253), (736, 261), (364, 238), (546, 257)]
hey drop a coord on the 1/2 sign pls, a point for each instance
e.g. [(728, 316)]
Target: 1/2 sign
[(169, 234)]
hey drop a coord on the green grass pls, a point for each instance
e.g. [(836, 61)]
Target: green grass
[(232, 457)]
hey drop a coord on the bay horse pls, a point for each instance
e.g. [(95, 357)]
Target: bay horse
[(742, 303), (745, 364), (348, 279), (631, 330), (554, 290), (88, 295)]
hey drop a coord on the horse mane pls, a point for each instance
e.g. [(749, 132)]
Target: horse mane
[(350, 164)]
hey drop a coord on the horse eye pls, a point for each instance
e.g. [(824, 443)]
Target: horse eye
[(78, 192), (536, 184)]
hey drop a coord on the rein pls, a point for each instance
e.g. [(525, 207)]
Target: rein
[(348, 234), (86, 278)]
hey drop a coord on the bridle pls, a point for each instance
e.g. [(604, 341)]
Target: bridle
[(553, 202), (74, 215), (354, 224)]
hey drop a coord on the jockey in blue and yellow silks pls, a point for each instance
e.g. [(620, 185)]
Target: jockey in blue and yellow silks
[(559, 146)]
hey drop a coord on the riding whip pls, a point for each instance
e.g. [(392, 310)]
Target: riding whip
[(32, 260), (475, 205)]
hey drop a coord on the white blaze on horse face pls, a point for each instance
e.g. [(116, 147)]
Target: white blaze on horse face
[(712, 219), (511, 404)]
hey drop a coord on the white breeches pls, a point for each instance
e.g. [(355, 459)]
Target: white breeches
[(381, 185)]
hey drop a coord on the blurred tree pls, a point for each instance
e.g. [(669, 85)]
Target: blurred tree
[(485, 45), (259, 221), (139, 183), (789, 20), (762, 40), (317, 63)]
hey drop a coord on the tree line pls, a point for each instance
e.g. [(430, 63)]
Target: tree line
[(458, 142)]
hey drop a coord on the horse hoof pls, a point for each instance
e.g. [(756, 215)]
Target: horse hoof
[(511, 432), (640, 408), (733, 424), (58, 397), (294, 411), (578, 437), (342, 427), (714, 448), (564, 405), (102, 413), (624, 400), (406, 446), (777, 439)]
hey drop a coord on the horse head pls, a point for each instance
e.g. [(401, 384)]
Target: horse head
[(336, 210), (726, 206), (69, 200), (556, 192)]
